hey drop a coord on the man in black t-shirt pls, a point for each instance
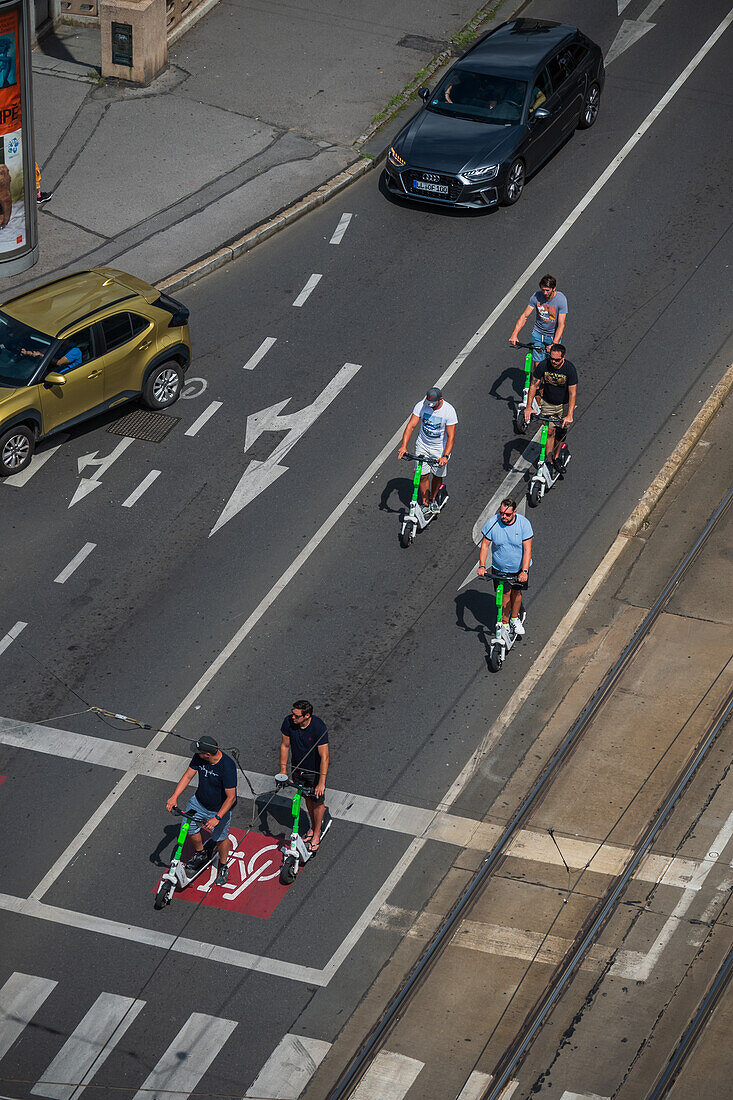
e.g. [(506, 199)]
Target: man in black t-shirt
[(557, 380), (305, 737), (212, 804)]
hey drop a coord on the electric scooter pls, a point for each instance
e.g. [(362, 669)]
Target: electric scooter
[(504, 634), (547, 475), (176, 877), (417, 517), (520, 424), (296, 853)]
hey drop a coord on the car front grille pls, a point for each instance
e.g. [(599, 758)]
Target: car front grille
[(455, 187)]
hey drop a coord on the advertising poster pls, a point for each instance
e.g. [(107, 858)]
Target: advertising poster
[(12, 197)]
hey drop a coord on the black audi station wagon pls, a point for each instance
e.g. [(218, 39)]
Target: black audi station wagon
[(497, 115)]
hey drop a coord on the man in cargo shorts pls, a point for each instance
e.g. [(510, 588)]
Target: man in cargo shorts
[(437, 420), (558, 380)]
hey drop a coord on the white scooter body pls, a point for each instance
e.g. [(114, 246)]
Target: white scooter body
[(520, 424), (177, 875), (544, 479), (504, 638), (298, 849), (417, 519)]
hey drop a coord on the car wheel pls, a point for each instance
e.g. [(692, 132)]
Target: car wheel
[(514, 184), (591, 105), (163, 386), (16, 449)]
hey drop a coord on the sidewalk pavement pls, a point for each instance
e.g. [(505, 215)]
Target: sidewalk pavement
[(261, 104)]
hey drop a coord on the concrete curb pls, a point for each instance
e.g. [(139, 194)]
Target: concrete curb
[(260, 233), (676, 460)]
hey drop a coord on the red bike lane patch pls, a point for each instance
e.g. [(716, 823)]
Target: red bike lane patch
[(254, 873)]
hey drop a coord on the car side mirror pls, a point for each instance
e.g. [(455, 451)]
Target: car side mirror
[(541, 112), (424, 94), (53, 378)]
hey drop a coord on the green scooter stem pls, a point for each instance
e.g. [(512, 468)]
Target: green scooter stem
[(528, 369), (296, 809), (416, 482), (499, 604), (543, 443), (185, 826)]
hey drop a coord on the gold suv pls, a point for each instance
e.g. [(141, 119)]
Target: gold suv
[(80, 345)]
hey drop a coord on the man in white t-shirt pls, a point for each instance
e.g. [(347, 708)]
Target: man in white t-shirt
[(437, 420)]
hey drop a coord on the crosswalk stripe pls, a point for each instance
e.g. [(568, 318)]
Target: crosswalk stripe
[(475, 1086), (289, 1068), (187, 1058), (20, 998), (88, 1047), (389, 1077)]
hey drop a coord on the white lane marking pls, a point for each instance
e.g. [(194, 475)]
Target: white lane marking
[(88, 1047), (623, 4), (11, 635), (194, 387), (88, 484), (629, 33), (135, 495), (165, 941), (475, 1086), (203, 418), (389, 1077), (582, 1096), (307, 290), (187, 1059), (20, 998), (341, 228), (638, 966), (289, 1068), (568, 621), (416, 821), (260, 354), (75, 562), (19, 480), (259, 475)]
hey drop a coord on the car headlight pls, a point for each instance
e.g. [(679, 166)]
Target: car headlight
[(395, 158), (487, 173)]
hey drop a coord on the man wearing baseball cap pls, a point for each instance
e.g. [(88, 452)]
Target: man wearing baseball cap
[(437, 420), (212, 804)]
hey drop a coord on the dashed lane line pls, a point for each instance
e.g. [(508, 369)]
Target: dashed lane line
[(205, 416), (144, 485), (261, 352), (307, 290), (343, 225), (75, 562), (11, 635)]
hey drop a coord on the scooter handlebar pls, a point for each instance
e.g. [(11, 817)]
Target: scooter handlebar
[(497, 575), (532, 347), (429, 460)]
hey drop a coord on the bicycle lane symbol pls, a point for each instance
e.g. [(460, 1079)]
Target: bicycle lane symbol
[(254, 884)]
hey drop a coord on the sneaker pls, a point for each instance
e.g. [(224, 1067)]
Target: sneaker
[(196, 862), (434, 507), (222, 876), (43, 196), (517, 626)]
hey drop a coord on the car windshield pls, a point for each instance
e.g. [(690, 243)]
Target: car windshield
[(480, 97), (22, 351)]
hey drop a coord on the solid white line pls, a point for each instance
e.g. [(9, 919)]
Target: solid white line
[(11, 635), (201, 420), (307, 290), (314, 542), (19, 480), (88, 1047), (20, 998), (340, 229), (261, 352), (187, 1059), (389, 1077), (75, 562), (135, 495), (289, 1068)]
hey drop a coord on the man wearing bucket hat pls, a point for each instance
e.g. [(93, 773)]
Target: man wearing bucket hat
[(212, 804), (437, 420)]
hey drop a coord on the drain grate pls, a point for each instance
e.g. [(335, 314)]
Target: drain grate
[(153, 427)]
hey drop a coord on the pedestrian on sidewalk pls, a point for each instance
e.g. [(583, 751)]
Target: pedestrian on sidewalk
[(305, 738), (41, 196)]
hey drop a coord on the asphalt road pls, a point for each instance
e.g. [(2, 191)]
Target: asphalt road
[(392, 654)]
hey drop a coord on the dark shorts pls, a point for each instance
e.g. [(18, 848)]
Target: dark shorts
[(310, 780)]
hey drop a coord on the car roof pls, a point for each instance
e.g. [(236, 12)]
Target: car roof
[(55, 306), (517, 48)]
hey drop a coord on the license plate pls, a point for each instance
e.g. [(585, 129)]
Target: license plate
[(435, 188)]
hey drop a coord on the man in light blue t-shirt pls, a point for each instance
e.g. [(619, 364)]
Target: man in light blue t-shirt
[(510, 537), (551, 310)]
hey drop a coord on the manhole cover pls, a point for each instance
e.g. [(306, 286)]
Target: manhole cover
[(144, 424)]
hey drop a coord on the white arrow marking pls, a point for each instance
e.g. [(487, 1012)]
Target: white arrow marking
[(262, 350), (527, 458), (631, 31), (259, 475), (87, 485), (623, 4), (19, 480)]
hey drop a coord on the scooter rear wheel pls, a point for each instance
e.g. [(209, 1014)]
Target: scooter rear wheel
[(495, 658), (520, 424), (163, 895), (288, 871), (535, 494), (405, 539)]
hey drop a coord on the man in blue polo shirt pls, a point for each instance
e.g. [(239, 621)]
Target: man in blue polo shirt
[(212, 804), (305, 738), (510, 537)]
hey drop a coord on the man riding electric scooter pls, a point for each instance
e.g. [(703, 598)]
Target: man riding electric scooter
[(557, 378), (437, 420), (212, 804)]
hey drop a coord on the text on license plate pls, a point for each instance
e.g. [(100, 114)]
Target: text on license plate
[(436, 188)]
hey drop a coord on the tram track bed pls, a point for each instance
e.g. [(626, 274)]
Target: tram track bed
[(485, 965)]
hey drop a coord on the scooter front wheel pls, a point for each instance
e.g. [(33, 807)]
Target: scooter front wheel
[(520, 424), (495, 660), (289, 870), (405, 539), (535, 494), (164, 895)]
